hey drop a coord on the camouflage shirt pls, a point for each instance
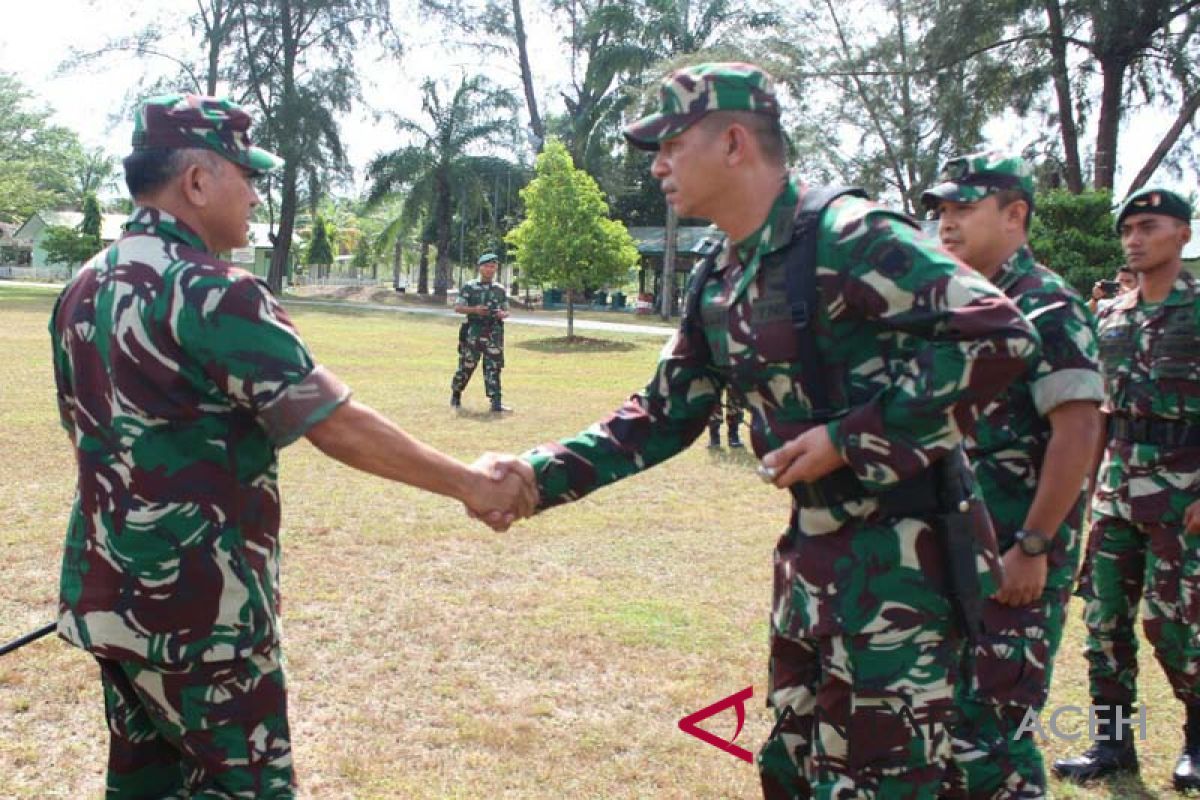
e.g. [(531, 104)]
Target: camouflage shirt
[(913, 343), (178, 377), (480, 328), (1150, 356), (1009, 444)]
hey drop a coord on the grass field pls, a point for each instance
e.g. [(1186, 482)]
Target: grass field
[(429, 657)]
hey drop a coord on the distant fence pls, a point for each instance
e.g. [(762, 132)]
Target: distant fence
[(35, 273), (344, 280)]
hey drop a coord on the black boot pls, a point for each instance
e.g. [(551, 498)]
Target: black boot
[(498, 407), (1110, 753), (456, 400), (1187, 768), (714, 435), (734, 439)]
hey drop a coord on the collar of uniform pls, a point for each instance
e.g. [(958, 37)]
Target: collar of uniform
[(157, 222), (776, 230), (1018, 264)]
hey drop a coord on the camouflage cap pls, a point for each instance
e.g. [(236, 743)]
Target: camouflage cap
[(688, 94), (487, 258), (970, 178), (1155, 201), (192, 120)]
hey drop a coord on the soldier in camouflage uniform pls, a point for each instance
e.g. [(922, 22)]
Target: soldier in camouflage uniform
[(915, 345), (485, 303), (1144, 543), (731, 412), (178, 379), (1032, 452)]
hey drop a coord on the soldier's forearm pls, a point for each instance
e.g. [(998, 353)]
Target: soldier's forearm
[(1075, 427)]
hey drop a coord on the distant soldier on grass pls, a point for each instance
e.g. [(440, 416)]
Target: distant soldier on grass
[(1144, 545), (1032, 452), (485, 303), (179, 378)]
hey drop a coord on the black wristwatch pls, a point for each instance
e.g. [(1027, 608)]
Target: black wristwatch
[(1032, 543)]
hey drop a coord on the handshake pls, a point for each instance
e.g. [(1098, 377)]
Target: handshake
[(504, 491)]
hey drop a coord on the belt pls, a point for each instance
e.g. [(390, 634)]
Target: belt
[(914, 497), (1161, 432)]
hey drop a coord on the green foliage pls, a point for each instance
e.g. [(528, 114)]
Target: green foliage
[(1073, 235), (362, 256), (91, 217), (320, 246), (567, 238), (35, 156), (65, 245)]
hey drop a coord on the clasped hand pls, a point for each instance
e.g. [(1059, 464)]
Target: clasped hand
[(505, 491)]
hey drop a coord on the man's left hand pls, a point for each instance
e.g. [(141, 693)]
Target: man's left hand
[(1024, 578), (1191, 518), (808, 457)]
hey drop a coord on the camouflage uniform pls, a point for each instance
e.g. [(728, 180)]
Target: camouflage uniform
[(1137, 547), (1013, 661), (731, 412), (178, 379), (914, 345), (481, 335)]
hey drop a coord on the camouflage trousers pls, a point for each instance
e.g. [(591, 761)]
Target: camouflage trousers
[(864, 659), (210, 731), (1156, 566), (468, 359), (1011, 667)]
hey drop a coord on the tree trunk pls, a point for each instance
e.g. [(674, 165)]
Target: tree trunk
[(570, 314), (1062, 89), (423, 270), (1182, 120), (287, 221), (441, 271), (397, 256), (667, 298), (535, 119), (1112, 71)]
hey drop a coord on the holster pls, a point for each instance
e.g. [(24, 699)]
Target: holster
[(943, 495)]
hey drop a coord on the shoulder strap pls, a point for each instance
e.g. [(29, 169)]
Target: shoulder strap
[(711, 250), (801, 273)]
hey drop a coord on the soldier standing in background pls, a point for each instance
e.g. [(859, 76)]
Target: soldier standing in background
[(1144, 543), (179, 378), (730, 411), (913, 344), (485, 303), (1032, 452)]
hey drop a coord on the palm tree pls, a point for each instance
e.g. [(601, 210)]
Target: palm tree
[(438, 169)]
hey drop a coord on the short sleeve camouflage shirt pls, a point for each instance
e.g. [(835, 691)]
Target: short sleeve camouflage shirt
[(1150, 355), (178, 379), (1009, 444), (481, 327)]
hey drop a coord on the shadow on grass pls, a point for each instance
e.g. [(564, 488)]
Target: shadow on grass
[(576, 344), (1125, 787), (483, 415)]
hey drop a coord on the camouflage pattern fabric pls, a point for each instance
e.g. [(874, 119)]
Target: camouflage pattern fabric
[(178, 378), (970, 178), (688, 94), (1013, 660), (914, 345), (213, 731), (481, 335), (1138, 550), (189, 120)]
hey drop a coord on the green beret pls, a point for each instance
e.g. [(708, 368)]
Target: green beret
[(486, 258), (1155, 201)]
